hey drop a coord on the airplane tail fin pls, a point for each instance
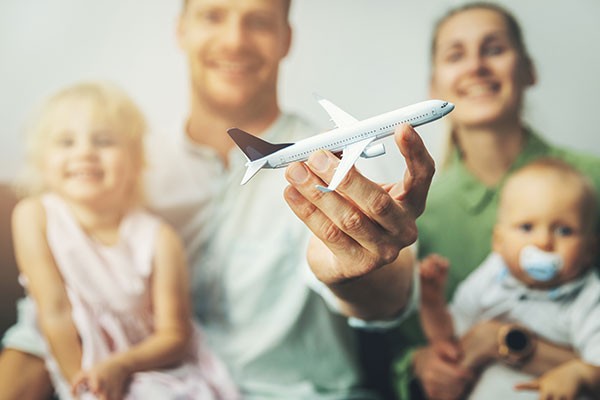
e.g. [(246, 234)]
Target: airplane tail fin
[(253, 147), (252, 168)]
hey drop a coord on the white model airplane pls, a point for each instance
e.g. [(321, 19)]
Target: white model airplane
[(352, 137)]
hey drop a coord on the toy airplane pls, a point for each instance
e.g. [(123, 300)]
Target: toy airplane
[(351, 137)]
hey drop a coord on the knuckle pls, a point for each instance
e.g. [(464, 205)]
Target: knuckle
[(388, 253), (368, 263), (382, 204), (314, 195), (409, 234), (352, 221), (347, 179), (427, 173), (332, 233), (306, 211)]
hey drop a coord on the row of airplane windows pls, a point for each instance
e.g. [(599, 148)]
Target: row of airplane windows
[(305, 153), (401, 122)]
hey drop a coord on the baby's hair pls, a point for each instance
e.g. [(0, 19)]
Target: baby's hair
[(566, 172), (105, 98)]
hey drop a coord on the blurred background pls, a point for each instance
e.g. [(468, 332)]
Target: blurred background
[(367, 57)]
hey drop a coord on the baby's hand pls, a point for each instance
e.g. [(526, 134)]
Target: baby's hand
[(558, 383), (433, 273)]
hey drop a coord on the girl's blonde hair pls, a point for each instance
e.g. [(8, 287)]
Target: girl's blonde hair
[(111, 103)]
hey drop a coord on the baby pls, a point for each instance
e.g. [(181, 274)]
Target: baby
[(539, 280)]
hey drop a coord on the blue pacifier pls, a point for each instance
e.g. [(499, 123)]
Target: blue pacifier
[(538, 264)]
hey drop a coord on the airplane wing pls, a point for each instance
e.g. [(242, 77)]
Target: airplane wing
[(349, 157), (339, 117)]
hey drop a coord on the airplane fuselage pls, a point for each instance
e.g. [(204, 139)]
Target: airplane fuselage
[(377, 127)]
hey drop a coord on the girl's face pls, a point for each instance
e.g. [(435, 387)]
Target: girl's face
[(85, 159), (477, 67)]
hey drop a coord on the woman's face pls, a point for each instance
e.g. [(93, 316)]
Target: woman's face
[(478, 67)]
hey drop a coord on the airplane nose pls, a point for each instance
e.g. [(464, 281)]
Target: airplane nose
[(449, 108)]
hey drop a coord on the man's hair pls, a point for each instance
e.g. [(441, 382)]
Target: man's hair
[(286, 7)]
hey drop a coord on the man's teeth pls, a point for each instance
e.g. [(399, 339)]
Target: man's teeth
[(233, 67)]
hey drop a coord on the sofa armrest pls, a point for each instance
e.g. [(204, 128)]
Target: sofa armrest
[(10, 290)]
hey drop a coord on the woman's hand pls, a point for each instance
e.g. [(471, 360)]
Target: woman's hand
[(440, 374)]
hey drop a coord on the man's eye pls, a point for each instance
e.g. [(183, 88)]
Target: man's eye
[(260, 23), (211, 16)]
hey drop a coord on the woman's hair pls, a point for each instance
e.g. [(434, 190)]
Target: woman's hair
[(106, 100), (514, 31)]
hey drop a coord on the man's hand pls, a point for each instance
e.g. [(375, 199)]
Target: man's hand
[(361, 228)]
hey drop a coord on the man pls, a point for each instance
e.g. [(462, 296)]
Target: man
[(246, 249)]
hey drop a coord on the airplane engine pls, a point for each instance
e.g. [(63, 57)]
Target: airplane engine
[(374, 150)]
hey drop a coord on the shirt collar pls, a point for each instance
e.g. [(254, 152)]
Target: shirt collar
[(474, 194), (235, 157)]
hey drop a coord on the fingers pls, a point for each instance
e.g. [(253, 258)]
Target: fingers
[(419, 172), (324, 230), (448, 350), (368, 196), (444, 381), (360, 214), (532, 385), (78, 384)]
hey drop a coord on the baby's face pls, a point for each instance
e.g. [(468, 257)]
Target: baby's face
[(538, 213)]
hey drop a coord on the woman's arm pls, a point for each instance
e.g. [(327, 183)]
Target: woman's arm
[(566, 381), (480, 346), (45, 285)]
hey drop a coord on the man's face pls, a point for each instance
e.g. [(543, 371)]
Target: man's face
[(234, 48)]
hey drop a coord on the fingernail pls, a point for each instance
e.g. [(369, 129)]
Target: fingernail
[(319, 161), (297, 172)]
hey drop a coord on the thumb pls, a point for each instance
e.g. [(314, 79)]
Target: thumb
[(532, 385), (449, 351), (419, 169)]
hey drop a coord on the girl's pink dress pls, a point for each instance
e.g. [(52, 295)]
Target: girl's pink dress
[(109, 291)]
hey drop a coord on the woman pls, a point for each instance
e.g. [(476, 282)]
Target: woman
[(479, 63)]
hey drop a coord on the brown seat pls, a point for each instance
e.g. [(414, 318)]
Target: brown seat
[(10, 290)]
